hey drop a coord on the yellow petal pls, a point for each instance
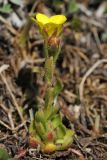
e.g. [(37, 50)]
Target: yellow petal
[(43, 19), (50, 28), (58, 19)]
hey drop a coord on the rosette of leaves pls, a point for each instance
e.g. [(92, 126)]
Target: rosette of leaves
[(47, 129)]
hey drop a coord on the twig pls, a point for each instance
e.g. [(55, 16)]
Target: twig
[(97, 124), (14, 100), (34, 6), (3, 68), (70, 94), (98, 43), (78, 153), (8, 25), (9, 113), (21, 125), (81, 87), (11, 120), (71, 117), (101, 9), (79, 51), (92, 22), (5, 125), (85, 10)]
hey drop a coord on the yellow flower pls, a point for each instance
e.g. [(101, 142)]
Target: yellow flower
[(50, 25)]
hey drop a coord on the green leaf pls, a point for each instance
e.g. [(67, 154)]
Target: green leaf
[(40, 117), (59, 141), (49, 111), (17, 2), (49, 97), (57, 88), (73, 6), (32, 130), (40, 130), (6, 8), (61, 131), (56, 121), (3, 155), (68, 139), (49, 67), (52, 93)]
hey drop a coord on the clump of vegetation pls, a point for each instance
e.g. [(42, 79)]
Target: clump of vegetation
[(3, 154), (46, 129)]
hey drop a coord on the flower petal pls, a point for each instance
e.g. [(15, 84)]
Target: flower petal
[(50, 28), (58, 19), (42, 18)]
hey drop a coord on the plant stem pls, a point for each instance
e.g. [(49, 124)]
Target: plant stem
[(57, 54)]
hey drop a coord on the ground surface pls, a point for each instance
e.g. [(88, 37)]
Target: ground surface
[(82, 68)]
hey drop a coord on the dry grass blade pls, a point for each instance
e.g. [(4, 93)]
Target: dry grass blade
[(3, 68), (5, 125), (8, 88), (81, 87), (96, 37), (9, 113), (8, 25)]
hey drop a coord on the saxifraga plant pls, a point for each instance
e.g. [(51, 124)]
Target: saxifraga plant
[(46, 129)]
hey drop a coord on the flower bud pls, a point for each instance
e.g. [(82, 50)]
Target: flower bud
[(54, 41), (49, 148)]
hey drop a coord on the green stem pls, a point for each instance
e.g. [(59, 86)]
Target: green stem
[(51, 56), (49, 70), (57, 54)]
